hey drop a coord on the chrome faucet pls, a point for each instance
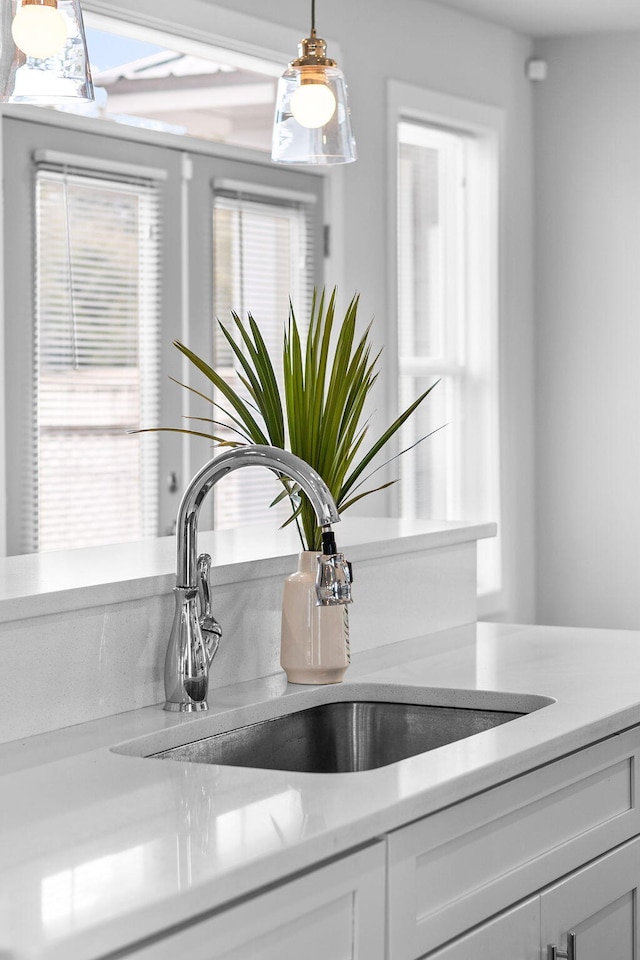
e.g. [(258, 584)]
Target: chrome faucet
[(195, 634)]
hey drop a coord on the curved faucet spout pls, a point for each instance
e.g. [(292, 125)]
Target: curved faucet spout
[(279, 461), (195, 632)]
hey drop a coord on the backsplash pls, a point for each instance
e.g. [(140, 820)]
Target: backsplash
[(72, 665)]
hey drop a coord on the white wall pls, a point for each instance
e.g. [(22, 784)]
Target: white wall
[(587, 162), (427, 45)]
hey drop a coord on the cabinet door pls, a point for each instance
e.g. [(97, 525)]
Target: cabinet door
[(599, 904), (514, 934), (450, 871), (333, 913)]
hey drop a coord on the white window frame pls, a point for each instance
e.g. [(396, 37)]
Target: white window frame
[(202, 24), (406, 102)]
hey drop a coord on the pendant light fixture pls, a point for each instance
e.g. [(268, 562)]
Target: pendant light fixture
[(43, 52), (312, 123)]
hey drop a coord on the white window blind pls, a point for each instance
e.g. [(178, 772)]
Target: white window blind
[(96, 356), (447, 330), (264, 254)]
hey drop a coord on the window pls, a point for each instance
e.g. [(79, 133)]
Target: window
[(131, 248), (263, 255), (148, 78), (187, 81), (96, 357), (447, 323)]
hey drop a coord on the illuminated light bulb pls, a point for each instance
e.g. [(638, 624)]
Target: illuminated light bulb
[(40, 31), (313, 105), (312, 95)]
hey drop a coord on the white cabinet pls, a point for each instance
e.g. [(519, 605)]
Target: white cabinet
[(475, 880), (598, 905), (336, 912), (451, 871)]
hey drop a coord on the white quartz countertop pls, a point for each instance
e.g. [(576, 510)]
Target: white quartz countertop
[(100, 849)]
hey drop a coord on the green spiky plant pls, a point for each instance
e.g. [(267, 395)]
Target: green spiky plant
[(319, 413)]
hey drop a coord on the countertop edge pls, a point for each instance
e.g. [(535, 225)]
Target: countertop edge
[(60, 582)]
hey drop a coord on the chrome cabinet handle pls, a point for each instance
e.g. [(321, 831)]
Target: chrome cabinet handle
[(571, 953)]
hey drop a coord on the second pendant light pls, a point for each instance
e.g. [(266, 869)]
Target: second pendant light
[(312, 122)]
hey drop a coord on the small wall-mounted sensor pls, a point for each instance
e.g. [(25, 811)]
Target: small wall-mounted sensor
[(536, 69)]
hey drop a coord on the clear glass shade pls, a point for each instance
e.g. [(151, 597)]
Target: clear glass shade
[(312, 122), (43, 53)]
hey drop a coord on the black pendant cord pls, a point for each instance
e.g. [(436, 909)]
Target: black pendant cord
[(313, 16)]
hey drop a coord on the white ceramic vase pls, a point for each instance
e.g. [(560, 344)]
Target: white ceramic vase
[(314, 640)]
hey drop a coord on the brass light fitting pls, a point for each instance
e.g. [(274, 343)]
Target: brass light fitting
[(312, 123)]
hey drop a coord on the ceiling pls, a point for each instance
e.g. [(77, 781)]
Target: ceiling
[(543, 18)]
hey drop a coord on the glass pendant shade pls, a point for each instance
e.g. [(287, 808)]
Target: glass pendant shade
[(43, 52), (312, 122)]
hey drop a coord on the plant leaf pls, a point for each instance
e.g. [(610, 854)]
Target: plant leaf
[(219, 423), (367, 493), (219, 441), (219, 406), (380, 442), (396, 456), (260, 377), (257, 435), (321, 411)]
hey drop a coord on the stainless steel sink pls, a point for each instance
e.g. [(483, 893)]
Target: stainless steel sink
[(343, 737)]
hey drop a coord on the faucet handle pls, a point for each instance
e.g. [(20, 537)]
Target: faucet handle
[(211, 629)]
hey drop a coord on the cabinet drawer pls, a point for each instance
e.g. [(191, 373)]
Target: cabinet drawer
[(333, 913), (453, 869)]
